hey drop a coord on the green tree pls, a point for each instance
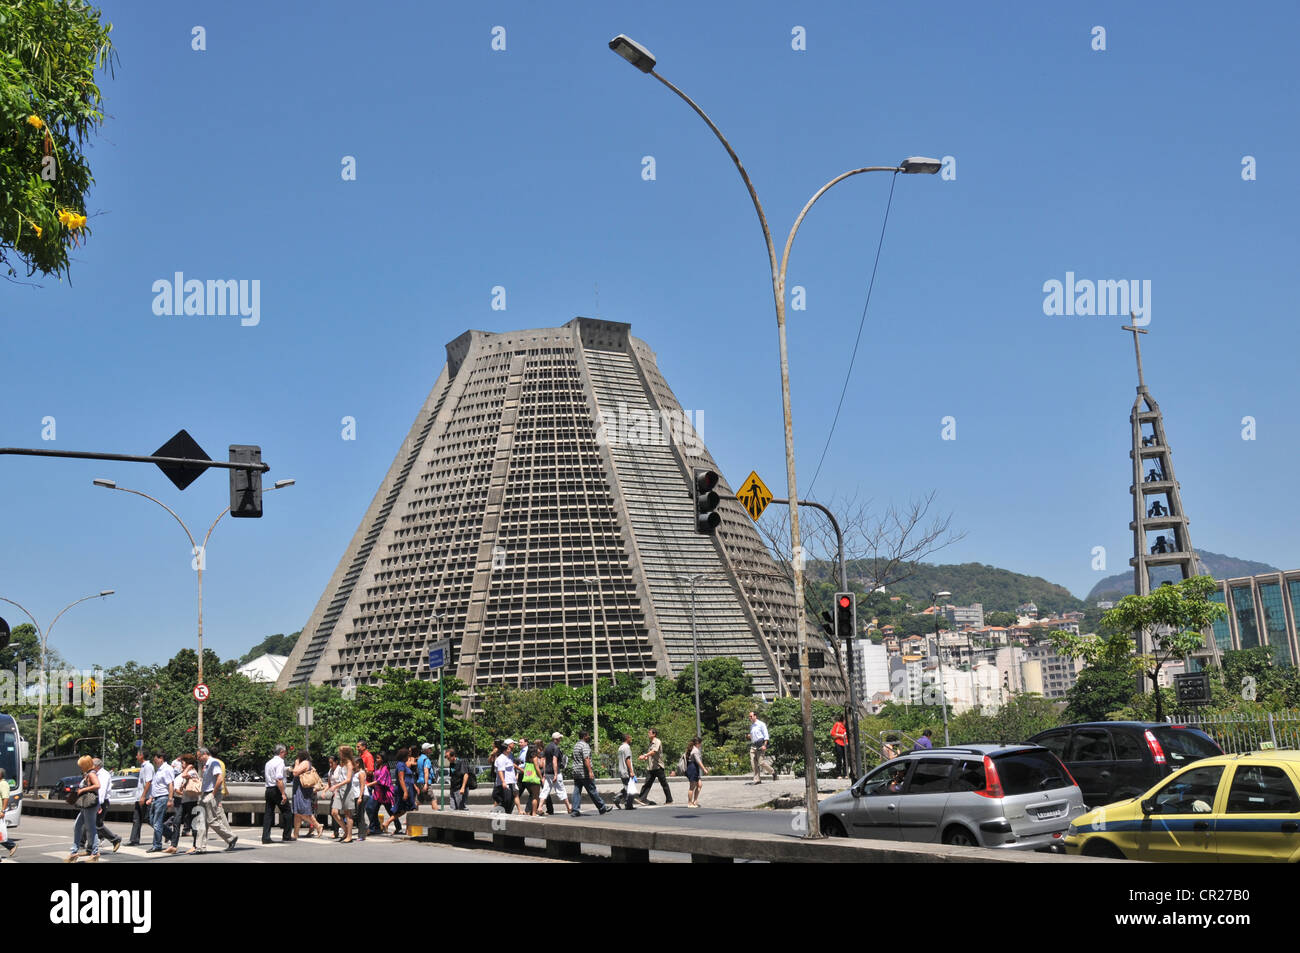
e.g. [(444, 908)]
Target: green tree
[(278, 644), (720, 678), (49, 107), (1023, 716), (1001, 619), (1100, 690), (1173, 614), (25, 647)]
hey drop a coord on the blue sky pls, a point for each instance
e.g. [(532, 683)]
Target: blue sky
[(523, 168)]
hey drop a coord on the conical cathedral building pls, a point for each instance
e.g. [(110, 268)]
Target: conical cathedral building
[(539, 516)]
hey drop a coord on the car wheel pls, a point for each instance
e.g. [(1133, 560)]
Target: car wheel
[(959, 837), (832, 827), (1102, 848)]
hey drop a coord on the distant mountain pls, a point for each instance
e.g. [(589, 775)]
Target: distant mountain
[(1218, 565), (997, 589)]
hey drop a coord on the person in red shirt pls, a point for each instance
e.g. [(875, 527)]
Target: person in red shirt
[(840, 735), (367, 758)]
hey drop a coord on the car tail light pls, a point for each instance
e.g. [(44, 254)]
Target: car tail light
[(992, 784), (1157, 752)]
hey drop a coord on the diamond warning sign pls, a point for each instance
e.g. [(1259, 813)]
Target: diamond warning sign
[(755, 495)]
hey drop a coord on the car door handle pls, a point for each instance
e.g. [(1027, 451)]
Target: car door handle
[(891, 807), (1201, 826), (1290, 827)]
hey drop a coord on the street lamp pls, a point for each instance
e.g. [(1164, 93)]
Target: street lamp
[(40, 695), (938, 648), (591, 601), (198, 563), (644, 60), (695, 646)]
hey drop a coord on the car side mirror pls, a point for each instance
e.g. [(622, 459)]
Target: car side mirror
[(1148, 806)]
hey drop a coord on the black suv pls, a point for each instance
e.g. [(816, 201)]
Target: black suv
[(1114, 760)]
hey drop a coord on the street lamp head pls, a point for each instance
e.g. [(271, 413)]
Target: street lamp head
[(942, 595), (107, 484), (107, 592), (281, 484), (917, 165), (633, 52)]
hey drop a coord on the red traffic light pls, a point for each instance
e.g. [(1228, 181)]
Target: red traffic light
[(845, 601)]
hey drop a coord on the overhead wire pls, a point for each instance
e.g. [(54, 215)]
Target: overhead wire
[(858, 340)]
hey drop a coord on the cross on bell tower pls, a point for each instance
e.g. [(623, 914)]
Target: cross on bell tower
[(1160, 534)]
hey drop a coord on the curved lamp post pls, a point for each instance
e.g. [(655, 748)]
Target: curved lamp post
[(40, 695), (938, 648), (200, 559), (644, 60)]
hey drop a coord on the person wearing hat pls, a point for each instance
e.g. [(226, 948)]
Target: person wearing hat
[(423, 772), (553, 774)]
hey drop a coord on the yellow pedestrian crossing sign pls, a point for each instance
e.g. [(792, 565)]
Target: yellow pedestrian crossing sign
[(754, 494)]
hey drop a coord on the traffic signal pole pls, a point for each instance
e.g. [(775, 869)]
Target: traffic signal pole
[(856, 751)]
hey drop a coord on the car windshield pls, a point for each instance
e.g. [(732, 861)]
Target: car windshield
[(1029, 772), (887, 779), (1184, 745)]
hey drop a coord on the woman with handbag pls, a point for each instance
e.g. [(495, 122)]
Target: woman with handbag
[(381, 793), (343, 802), (305, 780), (189, 784), (86, 800), (531, 781), (695, 770)]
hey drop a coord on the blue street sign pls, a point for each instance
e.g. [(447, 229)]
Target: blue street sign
[(439, 655), (139, 742)]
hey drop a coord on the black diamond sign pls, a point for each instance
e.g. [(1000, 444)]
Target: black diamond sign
[(182, 445)]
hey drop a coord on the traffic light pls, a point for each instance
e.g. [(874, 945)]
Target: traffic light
[(706, 501), (139, 727), (844, 615), (245, 485), (828, 624), (71, 684)]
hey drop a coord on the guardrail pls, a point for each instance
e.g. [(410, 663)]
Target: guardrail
[(565, 838)]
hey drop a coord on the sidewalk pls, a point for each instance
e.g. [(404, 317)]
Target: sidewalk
[(730, 793)]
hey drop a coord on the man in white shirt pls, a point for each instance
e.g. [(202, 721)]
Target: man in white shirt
[(758, 758), (276, 797), (143, 781), (105, 785), (161, 798), (505, 768), (210, 802)]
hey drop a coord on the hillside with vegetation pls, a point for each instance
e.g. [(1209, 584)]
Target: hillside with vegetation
[(997, 589), (1216, 564)]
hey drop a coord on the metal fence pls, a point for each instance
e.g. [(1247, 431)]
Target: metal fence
[(1239, 733)]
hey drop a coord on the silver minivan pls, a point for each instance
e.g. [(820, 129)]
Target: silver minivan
[(1012, 797)]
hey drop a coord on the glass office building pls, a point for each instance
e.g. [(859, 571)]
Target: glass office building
[(1262, 610)]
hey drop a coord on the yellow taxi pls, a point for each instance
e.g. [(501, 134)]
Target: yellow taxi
[(1232, 808)]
